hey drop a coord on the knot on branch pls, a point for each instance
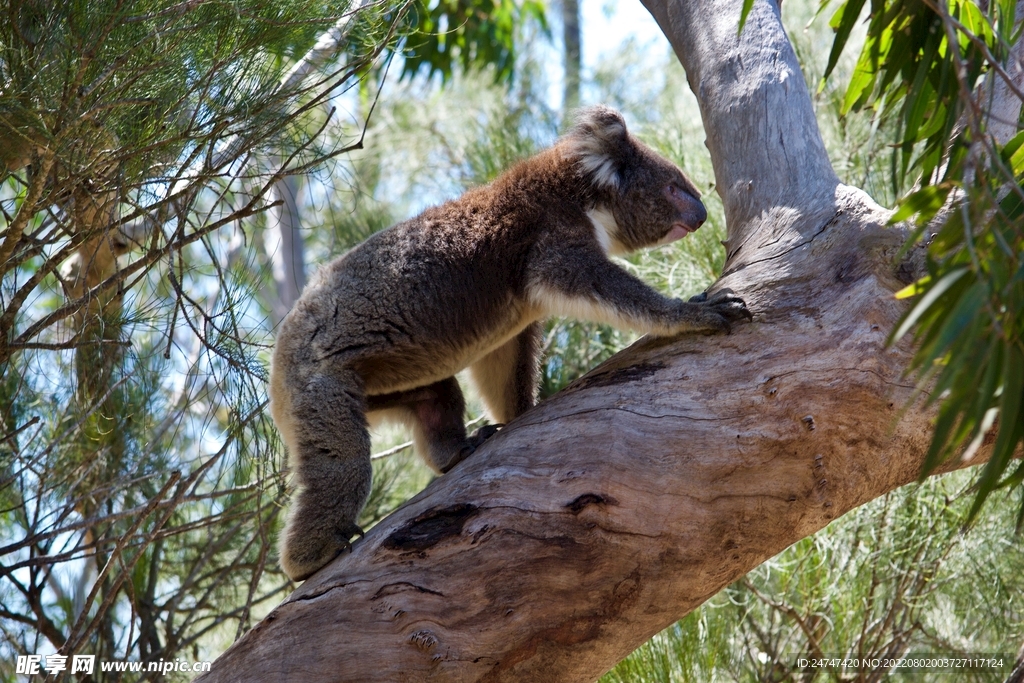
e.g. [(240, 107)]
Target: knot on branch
[(431, 528), (589, 499), (609, 375)]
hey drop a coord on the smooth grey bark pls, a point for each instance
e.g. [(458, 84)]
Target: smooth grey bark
[(616, 507), (572, 49), (284, 246), (1003, 109)]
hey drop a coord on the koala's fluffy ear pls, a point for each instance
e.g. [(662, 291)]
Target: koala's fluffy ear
[(600, 141)]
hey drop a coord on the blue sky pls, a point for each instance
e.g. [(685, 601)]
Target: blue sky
[(606, 25)]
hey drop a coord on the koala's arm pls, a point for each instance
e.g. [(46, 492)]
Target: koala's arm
[(582, 283)]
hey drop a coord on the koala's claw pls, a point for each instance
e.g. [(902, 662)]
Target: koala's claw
[(726, 305), (345, 533), (483, 433)]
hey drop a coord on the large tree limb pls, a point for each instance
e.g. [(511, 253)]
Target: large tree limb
[(618, 506)]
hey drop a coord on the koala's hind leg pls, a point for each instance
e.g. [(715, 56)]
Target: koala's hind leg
[(330, 456), (507, 378), (435, 414)]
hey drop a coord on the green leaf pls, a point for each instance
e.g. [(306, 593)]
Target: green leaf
[(747, 6), (925, 203), (937, 290), (842, 22), (914, 288), (1011, 425), (943, 426), (935, 122), (959, 319), (987, 394), (1013, 154), (921, 95), (861, 83), (976, 22)]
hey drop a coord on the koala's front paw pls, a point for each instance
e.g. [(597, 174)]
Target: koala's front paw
[(724, 308), (308, 548)]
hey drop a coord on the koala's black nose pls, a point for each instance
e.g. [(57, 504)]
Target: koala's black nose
[(700, 214), (690, 210)]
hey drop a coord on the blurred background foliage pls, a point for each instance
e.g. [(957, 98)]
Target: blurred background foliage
[(170, 187)]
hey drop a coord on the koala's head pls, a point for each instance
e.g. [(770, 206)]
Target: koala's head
[(641, 199)]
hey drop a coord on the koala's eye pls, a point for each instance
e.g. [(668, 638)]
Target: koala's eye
[(677, 192)]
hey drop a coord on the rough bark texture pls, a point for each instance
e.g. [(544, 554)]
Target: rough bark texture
[(616, 507)]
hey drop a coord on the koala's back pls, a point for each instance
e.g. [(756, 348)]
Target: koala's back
[(418, 301)]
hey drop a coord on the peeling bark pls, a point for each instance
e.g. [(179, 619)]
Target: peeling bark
[(618, 506)]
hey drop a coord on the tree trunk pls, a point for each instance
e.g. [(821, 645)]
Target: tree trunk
[(572, 55), (621, 504)]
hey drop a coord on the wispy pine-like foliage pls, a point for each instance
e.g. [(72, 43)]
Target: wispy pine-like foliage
[(142, 145)]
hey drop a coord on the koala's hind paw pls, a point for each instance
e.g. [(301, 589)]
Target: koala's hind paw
[(306, 551), (475, 440)]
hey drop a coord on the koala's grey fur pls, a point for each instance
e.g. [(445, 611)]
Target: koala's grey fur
[(383, 329)]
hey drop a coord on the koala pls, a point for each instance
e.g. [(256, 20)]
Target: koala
[(381, 331)]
